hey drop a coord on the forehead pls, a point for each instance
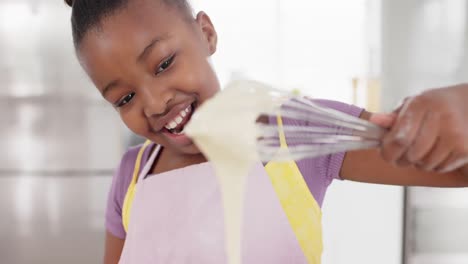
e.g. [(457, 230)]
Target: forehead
[(125, 33), (137, 21)]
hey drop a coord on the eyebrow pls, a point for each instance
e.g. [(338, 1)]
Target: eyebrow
[(146, 51), (109, 87)]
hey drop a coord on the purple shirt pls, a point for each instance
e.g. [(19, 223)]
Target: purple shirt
[(318, 172)]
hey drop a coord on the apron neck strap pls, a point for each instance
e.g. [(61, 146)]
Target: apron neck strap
[(149, 163)]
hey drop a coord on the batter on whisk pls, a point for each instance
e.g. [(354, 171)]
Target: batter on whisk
[(148, 59)]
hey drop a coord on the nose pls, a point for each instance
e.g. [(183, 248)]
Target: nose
[(156, 100)]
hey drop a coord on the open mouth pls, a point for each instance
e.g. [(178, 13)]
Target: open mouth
[(177, 124)]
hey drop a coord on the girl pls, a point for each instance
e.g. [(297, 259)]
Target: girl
[(148, 58)]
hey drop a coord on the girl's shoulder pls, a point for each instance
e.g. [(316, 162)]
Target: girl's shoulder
[(129, 159), (124, 174), (120, 183)]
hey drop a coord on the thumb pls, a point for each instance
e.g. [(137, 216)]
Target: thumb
[(383, 119)]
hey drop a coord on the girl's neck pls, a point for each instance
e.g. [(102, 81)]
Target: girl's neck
[(168, 160)]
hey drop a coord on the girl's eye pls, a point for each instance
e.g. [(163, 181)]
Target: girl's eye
[(166, 64), (125, 100)]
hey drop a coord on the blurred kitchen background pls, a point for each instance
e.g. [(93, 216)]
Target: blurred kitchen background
[(61, 142)]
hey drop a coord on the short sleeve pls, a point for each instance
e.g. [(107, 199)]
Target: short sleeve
[(336, 160), (120, 182)]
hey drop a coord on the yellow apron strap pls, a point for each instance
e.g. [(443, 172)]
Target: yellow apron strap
[(303, 212), (127, 205), (282, 136)]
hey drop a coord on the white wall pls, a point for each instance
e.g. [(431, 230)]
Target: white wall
[(363, 224), (316, 46)]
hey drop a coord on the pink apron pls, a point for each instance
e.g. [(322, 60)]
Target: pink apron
[(177, 217)]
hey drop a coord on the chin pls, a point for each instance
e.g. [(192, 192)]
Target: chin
[(192, 149)]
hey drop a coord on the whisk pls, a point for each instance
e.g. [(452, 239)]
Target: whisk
[(311, 129), (226, 126)]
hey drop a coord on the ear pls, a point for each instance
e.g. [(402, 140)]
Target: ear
[(208, 30)]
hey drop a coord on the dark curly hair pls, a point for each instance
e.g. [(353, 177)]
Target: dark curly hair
[(87, 14)]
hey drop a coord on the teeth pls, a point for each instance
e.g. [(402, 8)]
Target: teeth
[(179, 118), (172, 125)]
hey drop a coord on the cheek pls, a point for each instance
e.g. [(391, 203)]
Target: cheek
[(135, 122), (199, 75), (209, 84), (211, 88), (203, 86)]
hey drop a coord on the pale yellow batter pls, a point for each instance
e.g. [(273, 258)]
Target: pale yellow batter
[(224, 129)]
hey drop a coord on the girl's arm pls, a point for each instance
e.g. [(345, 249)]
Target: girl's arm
[(427, 143), (113, 249), (369, 166)]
